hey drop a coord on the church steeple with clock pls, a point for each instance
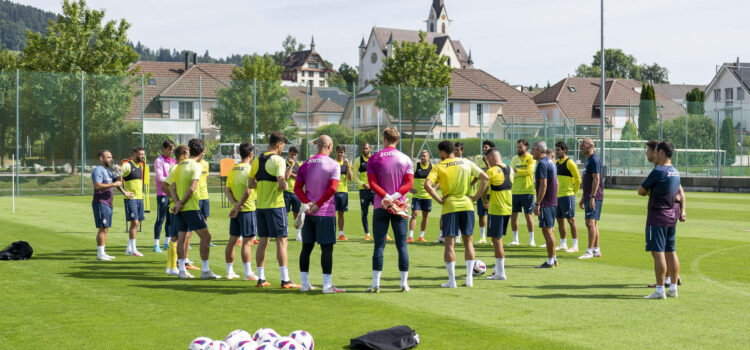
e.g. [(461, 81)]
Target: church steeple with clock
[(437, 20)]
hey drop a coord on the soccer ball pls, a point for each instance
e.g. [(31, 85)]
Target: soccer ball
[(265, 333), (200, 343), (237, 336), (267, 346), (303, 338), (479, 268), (246, 345), (287, 343), (218, 345)]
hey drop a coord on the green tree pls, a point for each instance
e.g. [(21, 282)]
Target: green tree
[(339, 133), (654, 73), (696, 101), (8, 64), (81, 46), (727, 139), (233, 112), (370, 136), (701, 132), (629, 132), (647, 116), (618, 64), (288, 46), (422, 76)]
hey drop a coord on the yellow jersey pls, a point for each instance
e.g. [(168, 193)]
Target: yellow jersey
[(501, 182), (568, 177), (523, 180), (265, 169), (454, 176), (237, 182)]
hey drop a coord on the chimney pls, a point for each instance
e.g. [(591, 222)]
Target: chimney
[(187, 64), (195, 58)]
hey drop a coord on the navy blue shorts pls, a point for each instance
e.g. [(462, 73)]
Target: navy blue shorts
[(291, 202), (547, 216), (660, 239), (170, 229), (480, 208), (341, 199), (366, 197), (319, 229), (205, 208), (497, 225), (134, 210), (102, 214), (566, 207), (523, 201), (459, 221), (423, 204), (593, 214), (272, 222), (243, 225), (189, 220)]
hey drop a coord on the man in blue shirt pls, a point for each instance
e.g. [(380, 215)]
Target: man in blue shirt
[(545, 208), (593, 196), (662, 186), (104, 180)]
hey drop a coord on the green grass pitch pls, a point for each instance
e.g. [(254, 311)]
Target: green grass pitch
[(64, 298)]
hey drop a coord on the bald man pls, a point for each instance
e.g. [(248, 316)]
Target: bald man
[(593, 197)]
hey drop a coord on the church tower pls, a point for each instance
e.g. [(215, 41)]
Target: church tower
[(437, 20)]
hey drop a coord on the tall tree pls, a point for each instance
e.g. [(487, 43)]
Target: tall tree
[(629, 132), (654, 73), (701, 132), (647, 114), (339, 133), (288, 46), (727, 139), (233, 112), (696, 101), (81, 46), (422, 75), (618, 64), (8, 64)]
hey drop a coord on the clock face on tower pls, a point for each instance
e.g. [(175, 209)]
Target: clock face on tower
[(443, 17), (374, 57)]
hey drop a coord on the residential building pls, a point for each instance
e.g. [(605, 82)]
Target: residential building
[(323, 106), (306, 68), (727, 94), (676, 92)]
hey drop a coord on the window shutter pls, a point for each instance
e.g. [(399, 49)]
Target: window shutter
[(456, 114), (486, 114), (473, 115)]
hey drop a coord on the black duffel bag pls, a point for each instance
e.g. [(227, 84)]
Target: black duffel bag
[(19, 250), (395, 338)]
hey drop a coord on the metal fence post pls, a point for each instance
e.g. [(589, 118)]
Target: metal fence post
[(83, 140), (400, 127), (307, 119), (143, 109), (200, 109), (687, 165), (18, 131), (354, 114), (255, 111)]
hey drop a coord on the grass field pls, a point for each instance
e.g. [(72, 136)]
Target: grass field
[(64, 298)]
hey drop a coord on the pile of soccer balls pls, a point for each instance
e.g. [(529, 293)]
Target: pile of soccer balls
[(262, 339)]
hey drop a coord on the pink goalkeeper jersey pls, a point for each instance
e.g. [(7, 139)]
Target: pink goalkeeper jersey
[(389, 167), (161, 170), (316, 174)]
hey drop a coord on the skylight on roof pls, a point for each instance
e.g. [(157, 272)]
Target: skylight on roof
[(572, 89), (151, 81)]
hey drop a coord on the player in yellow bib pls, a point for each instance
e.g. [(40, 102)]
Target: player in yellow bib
[(499, 207), (268, 175), (242, 222), (481, 161), (341, 198), (170, 229), (291, 202), (454, 176), (132, 175), (420, 200), (187, 208), (366, 196), (523, 166), (569, 181)]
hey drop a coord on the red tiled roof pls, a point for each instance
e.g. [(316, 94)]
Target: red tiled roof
[(517, 104)]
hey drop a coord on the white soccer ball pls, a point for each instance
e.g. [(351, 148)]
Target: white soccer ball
[(479, 268), (246, 345), (265, 333), (303, 338), (237, 336), (287, 343), (200, 343), (267, 346), (218, 345)]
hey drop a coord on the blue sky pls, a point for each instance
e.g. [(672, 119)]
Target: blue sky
[(519, 41)]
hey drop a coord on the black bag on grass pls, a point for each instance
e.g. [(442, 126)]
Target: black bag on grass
[(396, 338), (20, 250)]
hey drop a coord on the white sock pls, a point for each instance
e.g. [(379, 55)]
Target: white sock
[(596, 249), (100, 250), (156, 242), (181, 264), (376, 278), (248, 268), (483, 231), (531, 236), (230, 268), (341, 233), (284, 273), (660, 289), (421, 234), (550, 261), (404, 278), (500, 266), (673, 287), (299, 232), (204, 266), (411, 233), (305, 277), (441, 234), (470, 271), (563, 242), (261, 273), (327, 281), (515, 236), (575, 242), (667, 280), (589, 250), (451, 267)]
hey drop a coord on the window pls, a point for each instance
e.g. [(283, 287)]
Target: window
[(186, 110), (572, 89), (152, 81), (740, 94), (312, 64), (449, 115), (322, 83), (444, 29), (450, 135), (374, 57), (480, 117), (432, 27), (729, 94), (717, 94), (449, 61), (310, 74), (358, 115)]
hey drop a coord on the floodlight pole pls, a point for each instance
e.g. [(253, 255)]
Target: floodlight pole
[(354, 115), (18, 127), (307, 120), (255, 110), (82, 138), (400, 127), (143, 109), (601, 92)]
